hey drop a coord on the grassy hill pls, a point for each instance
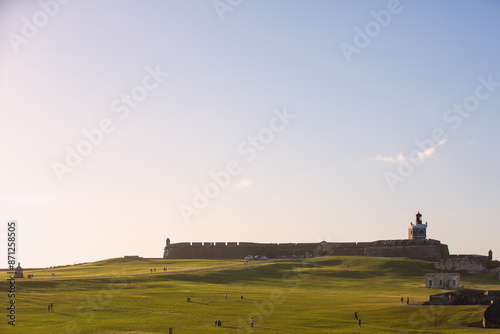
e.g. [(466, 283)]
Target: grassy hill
[(123, 266), (293, 296)]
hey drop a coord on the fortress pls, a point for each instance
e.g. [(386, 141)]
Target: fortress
[(417, 246)]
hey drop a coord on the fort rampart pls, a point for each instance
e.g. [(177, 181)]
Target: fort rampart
[(418, 249)]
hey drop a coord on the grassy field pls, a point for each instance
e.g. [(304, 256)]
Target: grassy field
[(294, 296), (122, 266)]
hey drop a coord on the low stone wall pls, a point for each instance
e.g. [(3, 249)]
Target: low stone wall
[(462, 264)]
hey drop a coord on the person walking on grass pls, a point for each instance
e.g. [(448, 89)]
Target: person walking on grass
[(251, 322), (359, 322), (356, 315)]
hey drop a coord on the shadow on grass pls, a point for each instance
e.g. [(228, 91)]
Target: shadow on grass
[(331, 263), (475, 324), (355, 274), (241, 274), (404, 268)]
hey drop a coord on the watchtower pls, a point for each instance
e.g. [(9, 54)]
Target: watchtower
[(19, 271), (418, 230)]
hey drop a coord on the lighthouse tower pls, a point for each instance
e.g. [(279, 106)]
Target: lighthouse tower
[(417, 230)]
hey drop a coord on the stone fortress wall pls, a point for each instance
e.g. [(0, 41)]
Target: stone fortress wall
[(417, 246), (462, 263), (428, 249)]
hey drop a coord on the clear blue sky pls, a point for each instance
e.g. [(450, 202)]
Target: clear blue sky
[(182, 89)]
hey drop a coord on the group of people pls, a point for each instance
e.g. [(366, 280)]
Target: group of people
[(357, 318), (219, 323), (154, 269), (50, 307)]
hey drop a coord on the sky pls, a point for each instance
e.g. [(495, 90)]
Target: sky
[(126, 122)]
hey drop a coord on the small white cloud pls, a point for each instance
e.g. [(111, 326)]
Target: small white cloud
[(416, 156), (469, 143), (391, 159), (243, 183)]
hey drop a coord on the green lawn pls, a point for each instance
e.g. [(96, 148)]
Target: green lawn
[(296, 296), (122, 266)]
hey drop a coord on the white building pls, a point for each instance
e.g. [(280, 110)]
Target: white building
[(442, 281)]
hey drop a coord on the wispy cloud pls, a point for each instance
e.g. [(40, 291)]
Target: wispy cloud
[(392, 159), (417, 156), (243, 183)]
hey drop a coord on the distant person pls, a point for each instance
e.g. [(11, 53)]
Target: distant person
[(407, 300), (53, 275), (401, 300), (359, 322), (356, 315), (225, 296), (151, 270), (51, 307), (241, 297), (251, 322)]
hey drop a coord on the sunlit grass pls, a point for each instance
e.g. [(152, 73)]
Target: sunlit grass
[(122, 266), (297, 296)]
